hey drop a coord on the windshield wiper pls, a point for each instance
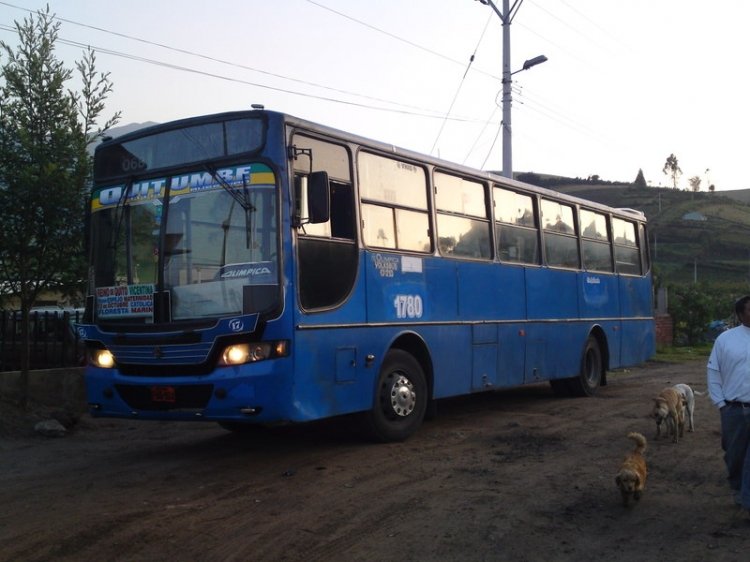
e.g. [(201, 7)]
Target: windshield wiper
[(242, 198), (121, 209)]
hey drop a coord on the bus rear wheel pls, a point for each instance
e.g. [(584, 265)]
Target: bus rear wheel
[(400, 399), (592, 370)]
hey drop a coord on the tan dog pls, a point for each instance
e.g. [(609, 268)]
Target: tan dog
[(669, 407), (631, 480)]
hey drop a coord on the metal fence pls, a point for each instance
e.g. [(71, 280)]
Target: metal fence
[(54, 340)]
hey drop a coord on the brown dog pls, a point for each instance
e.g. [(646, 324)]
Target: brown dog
[(631, 480), (669, 407)]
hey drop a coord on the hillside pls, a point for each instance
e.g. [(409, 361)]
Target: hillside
[(129, 128), (701, 236)]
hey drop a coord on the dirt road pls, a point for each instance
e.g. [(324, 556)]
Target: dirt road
[(517, 475)]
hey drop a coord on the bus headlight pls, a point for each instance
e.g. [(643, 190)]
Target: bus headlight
[(235, 354), (103, 358), (239, 353)]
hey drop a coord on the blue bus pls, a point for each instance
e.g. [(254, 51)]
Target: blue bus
[(253, 268)]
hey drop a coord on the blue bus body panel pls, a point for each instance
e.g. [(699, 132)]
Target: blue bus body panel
[(600, 302), (490, 293), (599, 295), (638, 330), (266, 385), (555, 302), (635, 296), (329, 374), (217, 395), (555, 294)]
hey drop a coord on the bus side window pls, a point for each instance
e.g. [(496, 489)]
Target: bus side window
[(395, 212), (341, 223), (462, 217), (516, 226), (643, 247), (560, 240), (597, 252), (342, 211), (517, 244), (561, 251), (627, 255), (326, 248), (333, 159)]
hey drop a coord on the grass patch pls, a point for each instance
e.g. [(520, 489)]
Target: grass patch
[(683, 354)]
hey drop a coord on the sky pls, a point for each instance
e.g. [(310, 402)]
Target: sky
[(626, 84)]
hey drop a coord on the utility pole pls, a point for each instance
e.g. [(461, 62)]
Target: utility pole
[(507, 132), (506, 16)]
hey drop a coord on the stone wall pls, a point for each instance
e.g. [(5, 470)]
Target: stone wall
[(49, 387)]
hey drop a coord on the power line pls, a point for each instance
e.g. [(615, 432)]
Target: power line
[(396, 37), (458, 90), (406, 108), (418, 111), (549, 113), (217, 60)]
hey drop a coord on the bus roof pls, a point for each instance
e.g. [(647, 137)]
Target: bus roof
[(278, 118)]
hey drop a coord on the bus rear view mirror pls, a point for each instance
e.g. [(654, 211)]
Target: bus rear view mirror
[(318, 198)]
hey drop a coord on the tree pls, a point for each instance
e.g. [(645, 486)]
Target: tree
[(530, 177), (695, 183), (640, 180), (672, 169), (45, 169), (691, 308)]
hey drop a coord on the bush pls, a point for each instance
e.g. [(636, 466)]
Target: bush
[(694, 306)]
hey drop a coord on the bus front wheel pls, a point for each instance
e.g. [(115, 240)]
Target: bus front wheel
[(592, 370), (400, 399)]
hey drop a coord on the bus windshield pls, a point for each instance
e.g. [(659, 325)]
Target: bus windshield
[(166, 149), (207, 239)]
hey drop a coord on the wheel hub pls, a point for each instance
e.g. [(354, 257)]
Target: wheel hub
[(402, 395)]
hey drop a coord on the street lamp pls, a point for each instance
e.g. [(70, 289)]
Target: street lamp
[(506, 16), (532, 62)]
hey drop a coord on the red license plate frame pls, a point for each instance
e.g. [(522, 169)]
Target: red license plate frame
[(163, 394)]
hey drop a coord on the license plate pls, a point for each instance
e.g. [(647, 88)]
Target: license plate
[(163, 394)]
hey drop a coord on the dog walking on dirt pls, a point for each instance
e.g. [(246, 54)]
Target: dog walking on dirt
[(688, 399), (631, 479), (669, 409)]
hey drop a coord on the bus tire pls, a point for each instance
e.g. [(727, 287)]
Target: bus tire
[(592, 370), (400, 399)]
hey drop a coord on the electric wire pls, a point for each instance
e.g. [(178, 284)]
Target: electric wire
[(414, 110), (218, 60), (425, 113), (397, 38), (492, 146), (461, 83), (606, 32), (481, 134)]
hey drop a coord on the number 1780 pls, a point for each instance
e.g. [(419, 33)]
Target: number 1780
[(408, 306)]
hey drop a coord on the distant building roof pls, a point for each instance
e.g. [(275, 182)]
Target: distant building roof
[(694, 216)]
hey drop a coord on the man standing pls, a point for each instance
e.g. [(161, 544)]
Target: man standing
[(729, 387)]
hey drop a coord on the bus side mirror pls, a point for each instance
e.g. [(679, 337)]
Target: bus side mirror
[(318, 198)]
